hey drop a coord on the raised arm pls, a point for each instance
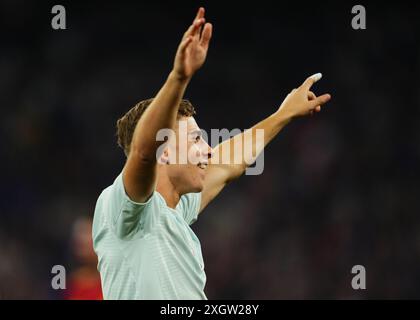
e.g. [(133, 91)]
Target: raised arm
[(139, 174), (299, 102)]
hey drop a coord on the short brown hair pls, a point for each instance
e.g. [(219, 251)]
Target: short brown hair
[(127, 123)]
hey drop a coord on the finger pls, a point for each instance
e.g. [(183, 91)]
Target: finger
[(311, 80), (200, 13), (184, 44), (197, 25), (316, 110), (192, 30), (206, 35), (320, 100), (311, 95), (188, 32), (199, 16)]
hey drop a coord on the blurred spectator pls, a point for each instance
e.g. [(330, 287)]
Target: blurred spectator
[(84, 281)]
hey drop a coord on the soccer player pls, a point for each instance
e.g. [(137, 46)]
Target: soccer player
[(141, 228)]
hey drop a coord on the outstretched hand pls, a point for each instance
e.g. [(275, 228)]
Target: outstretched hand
[(301, 101), (192, 50)]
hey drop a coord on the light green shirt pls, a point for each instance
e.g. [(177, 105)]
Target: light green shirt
[(147, 250)]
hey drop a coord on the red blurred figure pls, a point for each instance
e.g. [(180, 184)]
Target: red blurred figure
[(84, 282)]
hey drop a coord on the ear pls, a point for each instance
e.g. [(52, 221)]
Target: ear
[(164, 158)]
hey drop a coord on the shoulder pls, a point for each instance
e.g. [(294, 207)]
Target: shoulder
[(124, 216)]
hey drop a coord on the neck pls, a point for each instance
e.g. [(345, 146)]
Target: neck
[(168, 191)]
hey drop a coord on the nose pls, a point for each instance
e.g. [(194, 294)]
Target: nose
[(208, 151)]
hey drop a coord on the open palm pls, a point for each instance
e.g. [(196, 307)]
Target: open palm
[(192, 50)]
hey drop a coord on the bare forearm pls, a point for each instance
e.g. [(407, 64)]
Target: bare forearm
[(162, 113), (244, 148), (271, 127)]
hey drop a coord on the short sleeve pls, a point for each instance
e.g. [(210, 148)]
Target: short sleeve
[(190, 206), (126, 215)]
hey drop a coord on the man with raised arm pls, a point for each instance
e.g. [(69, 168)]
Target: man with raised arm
[(141, 228)]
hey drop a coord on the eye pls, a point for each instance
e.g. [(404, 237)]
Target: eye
[(197, 138)]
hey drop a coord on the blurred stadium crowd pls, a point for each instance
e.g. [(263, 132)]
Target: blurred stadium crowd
[(338, 189)]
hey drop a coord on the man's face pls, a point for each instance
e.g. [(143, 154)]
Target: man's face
[(187, 172)]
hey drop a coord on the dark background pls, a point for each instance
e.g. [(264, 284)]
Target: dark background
[(339, 189)]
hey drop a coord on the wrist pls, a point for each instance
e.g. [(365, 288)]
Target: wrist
[(282, 117), (177, 77)]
